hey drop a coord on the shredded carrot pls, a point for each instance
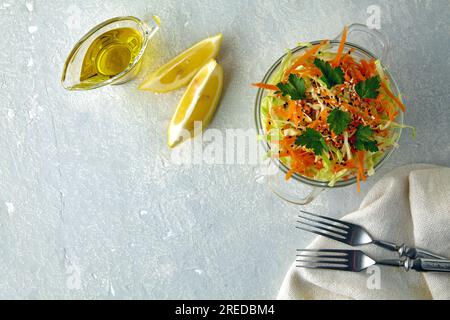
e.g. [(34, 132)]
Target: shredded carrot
[(358, 75), (281, 112), (308, 72), (347, 59), (302, 59), (347, 77), (292, 109), (361, 170), (283, 154), (312, 112), (299, 117), (370, 68), (383, 133), (323, 115), (392, 114), (350, 164), (337, 167), (289, 174), (366, 69), (287, 142), (295, 112), (266, 86), (373, 66), (360, 173), (337, 60), (391, 95), (358, 182)]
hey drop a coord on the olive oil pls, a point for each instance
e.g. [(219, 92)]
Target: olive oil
[(110, 54)]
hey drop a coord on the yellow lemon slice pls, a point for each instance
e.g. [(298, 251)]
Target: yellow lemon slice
[(181, 69), (198, 103)]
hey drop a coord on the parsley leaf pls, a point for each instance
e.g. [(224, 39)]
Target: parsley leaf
[(331, 76), (295, 88), (363, 142), (368, 89), (312, 139), (339, 120)]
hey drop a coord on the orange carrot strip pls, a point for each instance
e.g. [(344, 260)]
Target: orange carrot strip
[(350, 165), (337, 60), (359, 75), (292, 109), (281, 112), (361, 165), (301, 60), (358, 183), (323, 115), (391, 95), (265, 86), (366, 68), (373, 66), (299, 116), (289, 174)]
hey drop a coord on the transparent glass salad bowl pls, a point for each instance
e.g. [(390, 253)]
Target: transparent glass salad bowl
[(73, 67), (294, 190)]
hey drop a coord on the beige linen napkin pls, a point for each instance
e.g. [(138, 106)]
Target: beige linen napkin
[(410, 205)]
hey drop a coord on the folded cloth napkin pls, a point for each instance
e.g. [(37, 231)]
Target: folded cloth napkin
[(410, 205)]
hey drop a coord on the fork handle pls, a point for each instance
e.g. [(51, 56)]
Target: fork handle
[(428, 265), (415, 253), (387, 245), (409, 252)]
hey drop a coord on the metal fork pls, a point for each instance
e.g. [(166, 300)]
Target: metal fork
[(355, 235), (356, 261)]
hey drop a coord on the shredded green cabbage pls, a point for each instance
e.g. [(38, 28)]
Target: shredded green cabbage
[(335, 156)]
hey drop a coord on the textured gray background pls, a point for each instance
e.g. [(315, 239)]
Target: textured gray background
[(87, 192)]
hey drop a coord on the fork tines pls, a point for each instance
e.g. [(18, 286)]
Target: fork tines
[(323, 226), (323, 259)]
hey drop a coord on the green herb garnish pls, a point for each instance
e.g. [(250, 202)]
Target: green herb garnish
[(295, 88), (368, 89), (312, 139), (339, 120), (363, 139), (331, 76)]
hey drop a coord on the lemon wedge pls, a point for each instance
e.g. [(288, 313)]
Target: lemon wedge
[(181, 69), (198, 103)]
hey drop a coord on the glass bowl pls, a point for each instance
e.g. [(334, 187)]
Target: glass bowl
[(275, 179)]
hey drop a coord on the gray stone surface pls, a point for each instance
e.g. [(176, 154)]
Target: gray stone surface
[(91, 205)]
